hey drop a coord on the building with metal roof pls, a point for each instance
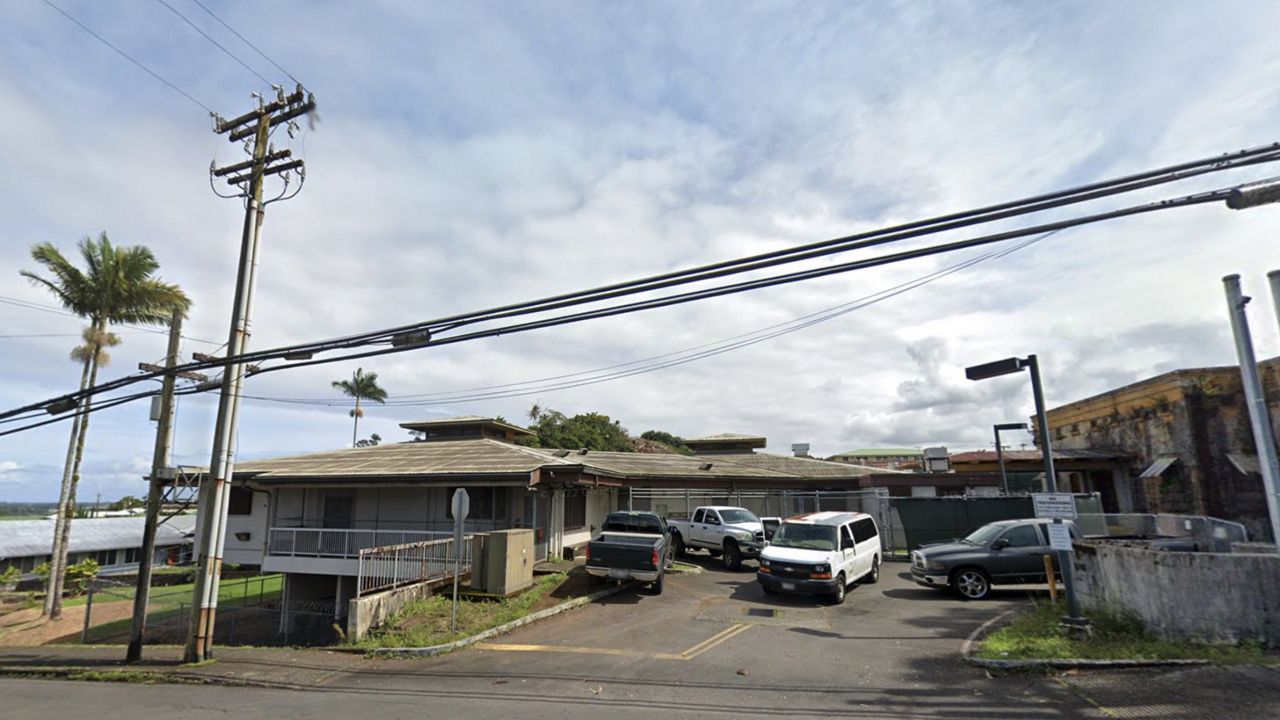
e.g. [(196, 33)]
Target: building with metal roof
[(113, 542)]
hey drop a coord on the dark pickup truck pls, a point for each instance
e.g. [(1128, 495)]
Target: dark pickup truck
[(631, 546)]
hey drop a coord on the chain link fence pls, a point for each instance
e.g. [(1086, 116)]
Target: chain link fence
[(251, 611)]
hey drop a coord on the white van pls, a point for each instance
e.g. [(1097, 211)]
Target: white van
[(821, 554)]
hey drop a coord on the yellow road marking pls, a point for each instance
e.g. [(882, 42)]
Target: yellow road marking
[(720, 637), (513, 647), (714, 640)]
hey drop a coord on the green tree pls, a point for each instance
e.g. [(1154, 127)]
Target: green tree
[(116, 286), (128, 502), (675, 442), (592, 431), (361, 386), (372, 441)]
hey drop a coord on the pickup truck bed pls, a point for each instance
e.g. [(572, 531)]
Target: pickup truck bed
[(632, 546)]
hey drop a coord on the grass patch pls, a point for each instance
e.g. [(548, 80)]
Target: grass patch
[(426, 622), (1035, 635), (124, 676), (250, 589)]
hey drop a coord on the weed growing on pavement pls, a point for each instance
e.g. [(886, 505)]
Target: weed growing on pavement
[(124, 676), (426, 622), (1036, 635)]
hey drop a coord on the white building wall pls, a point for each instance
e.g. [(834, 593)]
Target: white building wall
[(247, 534)]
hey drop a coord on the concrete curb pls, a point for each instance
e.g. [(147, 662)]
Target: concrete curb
[(491, 632), (970, 643)]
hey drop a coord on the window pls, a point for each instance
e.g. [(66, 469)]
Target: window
[(240, 502), (697, 515), (484, 503), (575, 512), (864, 529), (131, 555), (846, 538), (738, 516), (805, 536), (1023, 536), (106, 557)]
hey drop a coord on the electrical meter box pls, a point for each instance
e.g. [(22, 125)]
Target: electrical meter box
[(505, 562)]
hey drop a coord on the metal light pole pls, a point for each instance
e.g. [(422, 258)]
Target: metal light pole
[(1004, 477), (1255, 398), (1031, 363)]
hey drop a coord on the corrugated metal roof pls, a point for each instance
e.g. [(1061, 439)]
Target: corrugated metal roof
[(24, 538)]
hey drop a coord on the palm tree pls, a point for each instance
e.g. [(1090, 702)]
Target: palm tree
[(116, 286), (361, 385)]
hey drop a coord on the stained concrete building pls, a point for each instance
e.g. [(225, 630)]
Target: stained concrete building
[(1188, 439)]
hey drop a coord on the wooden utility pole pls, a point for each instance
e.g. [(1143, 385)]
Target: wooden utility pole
[(159, 464), (214, 491)]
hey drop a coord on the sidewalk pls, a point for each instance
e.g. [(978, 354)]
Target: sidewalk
[(265, 667)]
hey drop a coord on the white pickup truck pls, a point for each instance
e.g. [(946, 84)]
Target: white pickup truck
[(733, 533)]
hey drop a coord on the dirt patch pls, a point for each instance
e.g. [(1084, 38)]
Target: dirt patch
[(575, 585), (26, 628)]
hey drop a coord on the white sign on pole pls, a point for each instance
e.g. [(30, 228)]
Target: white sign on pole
[(1060, 536), (460, 505), (1054, 505)]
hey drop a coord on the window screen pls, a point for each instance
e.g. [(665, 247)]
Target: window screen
[(575, 512)]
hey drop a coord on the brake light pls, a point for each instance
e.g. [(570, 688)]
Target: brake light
[(586, 554), (655, 557)]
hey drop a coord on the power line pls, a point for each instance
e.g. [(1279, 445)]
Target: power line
[(675, 357), (426, 333), (29, 305), (216, 44), (245, 40), (130, 58)]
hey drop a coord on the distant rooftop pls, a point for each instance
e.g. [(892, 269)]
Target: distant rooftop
[(24, 538), (881, 452), (465, 426), (726, 442)]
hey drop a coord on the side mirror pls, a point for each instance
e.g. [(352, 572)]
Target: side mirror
[(1000, 544)]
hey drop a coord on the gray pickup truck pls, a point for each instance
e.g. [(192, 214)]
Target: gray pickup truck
[(631, 546)]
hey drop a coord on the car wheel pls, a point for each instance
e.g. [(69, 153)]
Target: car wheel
[(732, 557), (873, 576), (677, 543), (656, 586), (837, 597), (971, 583)]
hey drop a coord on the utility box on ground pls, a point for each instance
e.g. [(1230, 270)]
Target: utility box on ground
[(503, 562)]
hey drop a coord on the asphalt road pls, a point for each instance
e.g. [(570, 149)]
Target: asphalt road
[(713, 645)]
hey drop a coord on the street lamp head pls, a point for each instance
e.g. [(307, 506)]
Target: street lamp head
[(1007, 366)]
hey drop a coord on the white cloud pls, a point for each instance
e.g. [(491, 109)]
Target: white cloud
[(475, 155)]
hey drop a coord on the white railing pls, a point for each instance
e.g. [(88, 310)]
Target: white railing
[(339, 543), (383, 568)]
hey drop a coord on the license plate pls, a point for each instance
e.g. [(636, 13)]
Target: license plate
[(617, 574), (788, 586)]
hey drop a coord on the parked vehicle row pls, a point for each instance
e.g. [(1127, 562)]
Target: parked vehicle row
[(821, 553)]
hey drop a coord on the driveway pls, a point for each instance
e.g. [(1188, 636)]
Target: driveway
[(713, 645)]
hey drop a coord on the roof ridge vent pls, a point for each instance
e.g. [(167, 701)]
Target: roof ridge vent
[(561, 453)]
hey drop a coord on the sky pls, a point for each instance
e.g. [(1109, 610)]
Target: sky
[(467, 155)]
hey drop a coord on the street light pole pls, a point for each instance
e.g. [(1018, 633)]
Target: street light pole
[(1004, 477), (1073, 621)]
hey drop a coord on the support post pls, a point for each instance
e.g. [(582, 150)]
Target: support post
[(1073, 619), (88, 615), (1255, 397), (159, 461), (1004, 477)]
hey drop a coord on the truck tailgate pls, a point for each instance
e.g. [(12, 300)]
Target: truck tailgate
[(623, 550)]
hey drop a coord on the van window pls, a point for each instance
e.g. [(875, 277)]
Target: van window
[(864, 529), (805, 536), (846, 537)]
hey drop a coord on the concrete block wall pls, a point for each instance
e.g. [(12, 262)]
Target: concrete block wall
[(1225, 597)]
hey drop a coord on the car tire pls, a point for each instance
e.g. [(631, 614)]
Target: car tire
[(971, 583), (732, 557), (837, 597), (873, 575), (677, 543), (655, 587)]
